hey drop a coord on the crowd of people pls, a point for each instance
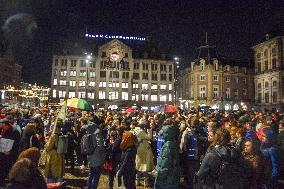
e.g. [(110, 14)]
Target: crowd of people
[(163, 150)]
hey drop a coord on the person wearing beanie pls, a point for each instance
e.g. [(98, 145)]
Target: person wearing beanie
[(270, 152)]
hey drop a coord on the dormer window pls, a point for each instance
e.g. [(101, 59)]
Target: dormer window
[(202, 66), (227, 68), (216, 66), (236, 69)]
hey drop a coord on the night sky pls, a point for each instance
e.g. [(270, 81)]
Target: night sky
[(232, 25)]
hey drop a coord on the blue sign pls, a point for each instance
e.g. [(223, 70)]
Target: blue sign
[(114, 37)]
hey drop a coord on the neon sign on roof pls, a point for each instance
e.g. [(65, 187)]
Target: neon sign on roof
[(103, 36)]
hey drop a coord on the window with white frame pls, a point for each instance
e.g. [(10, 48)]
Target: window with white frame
[(82, 83), (124, 95), (215, 91), (227, 79), (61, 94), (91, 95), (202, 66), (72, 94), (102, 84), (54, 93), (63, 72), (170, 87), (228, 93), (245, 80), (202, 77), (154, 86), (135, 85), (144, 86), (83, 73), (72, 83), (135, 97), (73, 73), (227, 68), (163, 87), (92, 74), (113, 95), (81, 94), (216, 66), (215, 77), (144, 97), (124, 85), (202, 91), (62, 82), (154, 98), (54, 81), (163, 98), (92, 83), (170, 97), (102, 95)]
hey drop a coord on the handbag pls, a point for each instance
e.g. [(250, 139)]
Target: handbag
[(108, 165), (117, 181)]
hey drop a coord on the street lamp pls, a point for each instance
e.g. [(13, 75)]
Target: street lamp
[(176, 67), (88, 62)]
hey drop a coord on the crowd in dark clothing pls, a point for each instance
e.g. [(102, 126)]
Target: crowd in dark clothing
[(189, 149)]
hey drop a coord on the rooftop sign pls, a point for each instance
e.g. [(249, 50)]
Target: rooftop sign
[(104, 36)]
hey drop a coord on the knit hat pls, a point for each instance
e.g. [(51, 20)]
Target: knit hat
[(270, 135)]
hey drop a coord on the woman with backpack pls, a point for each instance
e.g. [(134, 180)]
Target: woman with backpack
[(211, 172)]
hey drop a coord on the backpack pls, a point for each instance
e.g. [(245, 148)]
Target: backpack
[(87, 145), (62, 144), (230, 173)]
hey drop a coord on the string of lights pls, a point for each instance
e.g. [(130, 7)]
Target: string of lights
[(104, 36)]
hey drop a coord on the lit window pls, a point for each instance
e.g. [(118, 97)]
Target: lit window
[(55, 82), (82, 83), (154, 97), (72, 95), (124, 85), (170, 97), (163, 87), (163, 98), (135, 97), (144, 86), (54, 93), (63, 72), (144, 97), (91, 95), (62, 82), (202, 77), (102, 95), (83, 73), (228, 94), (92, 74), (202, 91), (62, 94), (102, 84), (81, 94), (72, 83), (124, 95), (135, 86), (170, 86), (92, 83), (73, 73), (154, 86), (113, 95)]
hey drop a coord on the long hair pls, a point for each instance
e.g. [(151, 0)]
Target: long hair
[(222, 137), (127, 141), (31, 153)]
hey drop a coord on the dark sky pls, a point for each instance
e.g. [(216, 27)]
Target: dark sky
[(232, 25)]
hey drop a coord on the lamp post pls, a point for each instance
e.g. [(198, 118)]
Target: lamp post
[(176, 67), (88, 62)]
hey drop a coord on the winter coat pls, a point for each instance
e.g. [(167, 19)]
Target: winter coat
[(144, 157), (116, 151), (207, 173), (168, 169), (239, 144), (28, 140), (126, 167), (99, 155), (281, 139), (55, 166)]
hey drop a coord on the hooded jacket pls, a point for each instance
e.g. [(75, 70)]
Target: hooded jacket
[(270, 151), (168, 170), (98, 157)]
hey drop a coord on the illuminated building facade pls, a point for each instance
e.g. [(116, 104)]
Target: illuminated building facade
[(211, 80), (116, 74)]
